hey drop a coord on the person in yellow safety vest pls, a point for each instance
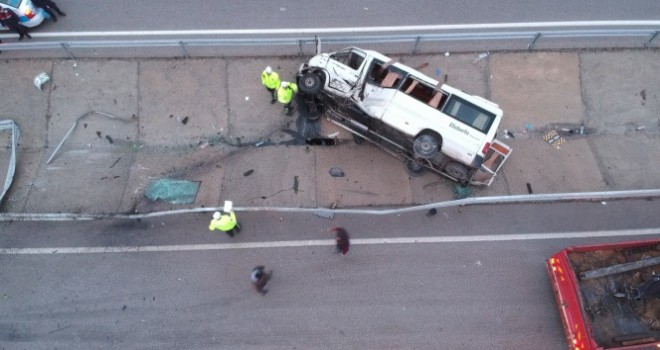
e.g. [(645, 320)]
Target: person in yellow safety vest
[(225, 222), (271, 80), (285, 94)]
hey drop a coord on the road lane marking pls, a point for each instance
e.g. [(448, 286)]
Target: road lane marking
[(325, 242), (489, 26)]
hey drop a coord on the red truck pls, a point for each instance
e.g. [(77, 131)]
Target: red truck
[(608, 295)]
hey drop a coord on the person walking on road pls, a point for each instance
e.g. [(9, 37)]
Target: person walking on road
[(285, 95), (271, 80), (260, 277), (225, 222), (341, 237), (50, 7), (9, 19)]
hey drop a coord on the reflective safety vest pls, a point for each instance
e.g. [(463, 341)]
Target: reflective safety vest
[(285, 94), (225, 223), (271, 81)]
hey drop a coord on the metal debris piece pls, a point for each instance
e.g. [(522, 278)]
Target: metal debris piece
[(248, 173), (431, 212), (41, 79), (336, 172), (15, 134)]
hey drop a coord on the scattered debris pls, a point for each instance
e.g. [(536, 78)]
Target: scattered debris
[(247, 98), (447, 54), (603, 203), (115, 163), (259, 144), (529, 188), (295, 184), (481, 57), (98, 133), (41, 79), (333, 135), (319, 141), (461, 192), (336, 172), (76, 123), (431, 212), (554, 139), (324, 213), (173, 191), (109, 138), (508, 134), (641, 127), (248, 173), (184, 121)]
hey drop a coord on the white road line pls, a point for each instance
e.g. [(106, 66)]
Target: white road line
[(351, 29), (308, 243)]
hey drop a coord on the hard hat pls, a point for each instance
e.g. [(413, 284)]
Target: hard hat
[(285, 83), (216, 215), (269, 70)]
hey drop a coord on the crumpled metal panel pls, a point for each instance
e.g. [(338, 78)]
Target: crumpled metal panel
[(15, 134)]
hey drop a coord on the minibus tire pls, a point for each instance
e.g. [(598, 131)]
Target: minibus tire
[(457, 171), (310, 83), (427, 145), (414, 169)]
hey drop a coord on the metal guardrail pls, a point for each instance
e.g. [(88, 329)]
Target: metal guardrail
[(643, 34)]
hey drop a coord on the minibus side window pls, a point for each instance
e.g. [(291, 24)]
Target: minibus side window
[(418, 90), (469, 114)]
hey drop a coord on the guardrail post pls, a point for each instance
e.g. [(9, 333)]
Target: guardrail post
[(648, 43), (531, 46), (65, 46), (414, 51), (183, 48)]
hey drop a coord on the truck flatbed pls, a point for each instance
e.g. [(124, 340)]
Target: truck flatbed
[(609, 295)]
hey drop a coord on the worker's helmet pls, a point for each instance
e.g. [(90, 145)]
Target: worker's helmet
[(216, 215), (269, 70), (285, 84)]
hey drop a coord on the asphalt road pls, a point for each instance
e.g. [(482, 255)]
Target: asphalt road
[(95, 15), (482, 284)]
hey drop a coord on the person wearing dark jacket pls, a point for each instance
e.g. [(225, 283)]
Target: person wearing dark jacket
[(49, 6), (260, 277), (341, 237), (9, 19)]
